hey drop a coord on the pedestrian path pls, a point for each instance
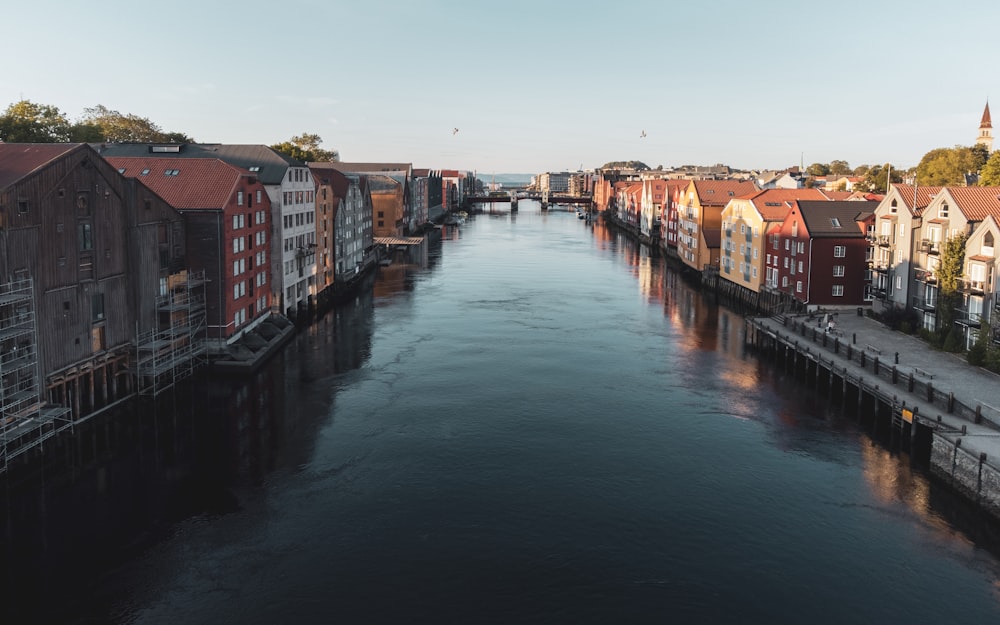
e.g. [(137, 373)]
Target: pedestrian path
[(918, 366)]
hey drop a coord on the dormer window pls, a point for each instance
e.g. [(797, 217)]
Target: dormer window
[(943, 211)]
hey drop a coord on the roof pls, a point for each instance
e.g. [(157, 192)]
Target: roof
[(18, 160), (382, 184), (774, 204), (923, 196), (976, 202), (266, 163), (199, 183), (986, 123), (366, 168), (719, 192), (834, 219)]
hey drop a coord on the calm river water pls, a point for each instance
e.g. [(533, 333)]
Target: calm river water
[(534, 422)]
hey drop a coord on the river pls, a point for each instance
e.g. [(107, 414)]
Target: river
[(533, 422)]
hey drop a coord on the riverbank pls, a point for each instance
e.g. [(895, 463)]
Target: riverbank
[(944, 409)]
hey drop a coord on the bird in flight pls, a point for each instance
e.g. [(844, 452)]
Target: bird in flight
[(643, 135), (454, 131)]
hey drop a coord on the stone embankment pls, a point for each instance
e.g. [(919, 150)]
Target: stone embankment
[(920, 391)]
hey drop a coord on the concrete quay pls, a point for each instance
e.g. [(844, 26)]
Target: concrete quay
[(922, 391)]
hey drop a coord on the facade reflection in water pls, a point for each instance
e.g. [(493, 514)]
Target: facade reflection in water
[(122, 484)]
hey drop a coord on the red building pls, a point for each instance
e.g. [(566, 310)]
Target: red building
[(817, 255), (228, 217)]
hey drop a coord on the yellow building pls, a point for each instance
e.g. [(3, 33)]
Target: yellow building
[(699, 219), (745, 222)]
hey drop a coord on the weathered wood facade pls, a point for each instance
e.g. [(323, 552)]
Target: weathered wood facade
[(96, 247)]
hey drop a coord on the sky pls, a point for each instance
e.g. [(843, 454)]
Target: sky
[(531, 86)]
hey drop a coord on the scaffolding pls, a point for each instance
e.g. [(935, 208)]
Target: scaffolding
[(26, 419), (176, 348)]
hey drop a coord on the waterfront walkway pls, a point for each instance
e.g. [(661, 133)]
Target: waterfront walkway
[(919, 368)]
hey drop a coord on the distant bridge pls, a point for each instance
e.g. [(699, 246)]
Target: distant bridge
[(542, 196)]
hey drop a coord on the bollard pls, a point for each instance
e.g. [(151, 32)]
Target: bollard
[(979, 415), (895, 375), (951, 403), (897, 358), (854, 338)]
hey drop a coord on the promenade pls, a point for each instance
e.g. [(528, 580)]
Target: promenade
[(960, 402)]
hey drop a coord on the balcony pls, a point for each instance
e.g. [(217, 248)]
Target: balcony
[(925, 275), (968, 318), (929, 246), (926, 304), (973, 286), (882, 240)]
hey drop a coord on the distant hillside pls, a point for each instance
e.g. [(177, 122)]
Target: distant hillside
[(507, 180)]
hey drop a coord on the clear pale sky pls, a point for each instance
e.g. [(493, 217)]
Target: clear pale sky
[(532, 86)]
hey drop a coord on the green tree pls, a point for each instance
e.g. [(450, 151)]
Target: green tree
[(28, 122), (861, 170), (877, 177), (818, 169), (948, 166), (840, 168), (949, 274), (305, 147), (126, 128), (989, 175)]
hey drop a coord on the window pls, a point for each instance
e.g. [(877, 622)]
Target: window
[(97, 307), (899, 282), (798, 286), (236, 268), (786, 262), (839, 251), (835, 222), (838, 271), (800, 266), (786, 244), (838, 290), (239, 198), (943, 211), (85, 237), (784, 282), (902, 230)]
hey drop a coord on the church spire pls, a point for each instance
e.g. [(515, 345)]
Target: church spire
[(986, 130)]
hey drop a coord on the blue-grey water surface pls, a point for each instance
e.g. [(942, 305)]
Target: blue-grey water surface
[(534, 422)]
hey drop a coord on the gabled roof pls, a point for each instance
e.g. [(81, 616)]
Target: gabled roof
[(834, 219), (719, 192), (976, 202), (916, 199), (18, 160), (338, 181), (267, 164), (774, 204), (200, 183), (383, 184)]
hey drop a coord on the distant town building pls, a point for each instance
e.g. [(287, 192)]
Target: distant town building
[(985, 136)]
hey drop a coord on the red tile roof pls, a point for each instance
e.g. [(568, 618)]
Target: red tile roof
[(719, 192), (774, 204), (17, 160), (924, 195), (200, 183), (976, 202)]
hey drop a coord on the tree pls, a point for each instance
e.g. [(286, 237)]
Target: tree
[(861, 170), (949, 274), (839, 168), (305, 147), (127, 128), (877, 177), (28, 122), (948, 166), (989, 175), (818, 169)]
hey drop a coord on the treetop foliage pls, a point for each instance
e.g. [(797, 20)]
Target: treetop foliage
[(636, 165), (949, 166), (305, 147)]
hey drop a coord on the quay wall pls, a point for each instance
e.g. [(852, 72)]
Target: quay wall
[(969, 473)]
